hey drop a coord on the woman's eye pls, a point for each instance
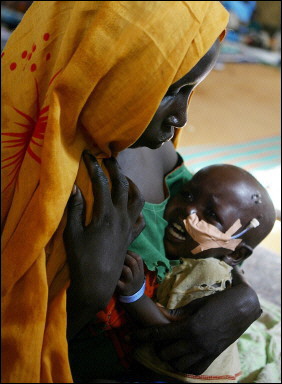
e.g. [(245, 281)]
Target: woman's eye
[(171, 93)]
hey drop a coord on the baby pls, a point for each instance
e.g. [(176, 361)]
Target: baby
[(214, 223)]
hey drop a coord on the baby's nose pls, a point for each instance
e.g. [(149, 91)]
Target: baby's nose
[(191, 210)]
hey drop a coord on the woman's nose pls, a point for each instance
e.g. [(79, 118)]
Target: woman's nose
[(178, 119), (180, 106), (182, 118)]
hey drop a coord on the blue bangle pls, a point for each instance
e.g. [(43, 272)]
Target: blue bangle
[(135, 297)]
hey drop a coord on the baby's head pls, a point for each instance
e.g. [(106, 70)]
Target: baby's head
[(208, 205)]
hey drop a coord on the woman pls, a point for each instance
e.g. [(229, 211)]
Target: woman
[(145, 163), (78, 75)]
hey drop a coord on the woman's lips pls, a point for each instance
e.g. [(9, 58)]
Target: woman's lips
[(170, 134)]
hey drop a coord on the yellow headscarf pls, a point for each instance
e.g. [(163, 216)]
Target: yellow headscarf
[(76, 75)]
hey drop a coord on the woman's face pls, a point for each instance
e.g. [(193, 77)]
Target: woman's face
[(172, 111)]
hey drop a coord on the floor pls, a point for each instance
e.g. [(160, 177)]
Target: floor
[(234, 117), (263, 272), (237, 104)]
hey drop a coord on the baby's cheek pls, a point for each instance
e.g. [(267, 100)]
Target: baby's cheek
[(169, 209)]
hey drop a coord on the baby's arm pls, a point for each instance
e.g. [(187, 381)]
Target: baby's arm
[(143, 310)]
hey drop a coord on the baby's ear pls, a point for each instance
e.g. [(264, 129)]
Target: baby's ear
[(241, 253)]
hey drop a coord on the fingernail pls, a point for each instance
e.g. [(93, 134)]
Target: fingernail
[(86, 152), (89, 155), (74, 189)]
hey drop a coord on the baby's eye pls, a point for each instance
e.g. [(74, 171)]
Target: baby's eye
[(187, 195), (212, 214)]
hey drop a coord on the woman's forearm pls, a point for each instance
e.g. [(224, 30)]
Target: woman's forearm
[(239, 306)]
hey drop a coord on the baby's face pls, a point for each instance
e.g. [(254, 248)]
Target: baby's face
[(219, 196)]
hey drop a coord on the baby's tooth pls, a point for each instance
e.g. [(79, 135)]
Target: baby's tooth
[(177, 226), (175, 234)]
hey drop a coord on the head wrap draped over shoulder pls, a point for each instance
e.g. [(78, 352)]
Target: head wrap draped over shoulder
[(77, 74)]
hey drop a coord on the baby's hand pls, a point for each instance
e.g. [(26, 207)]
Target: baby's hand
[(132, 276)]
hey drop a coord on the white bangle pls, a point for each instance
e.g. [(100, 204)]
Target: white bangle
[(135, 297)]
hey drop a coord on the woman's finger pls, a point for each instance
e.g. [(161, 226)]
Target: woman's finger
[(175, 351), (192, 363), (189, 309), (119, 182), (75, 212), (159, 333), (100, 185)]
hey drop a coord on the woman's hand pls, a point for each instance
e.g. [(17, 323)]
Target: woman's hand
[(96, 252), (204, 328)]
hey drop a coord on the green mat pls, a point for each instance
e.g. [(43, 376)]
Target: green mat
[(260, 347)]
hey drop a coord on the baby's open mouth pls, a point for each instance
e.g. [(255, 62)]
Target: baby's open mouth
[(176, 231)]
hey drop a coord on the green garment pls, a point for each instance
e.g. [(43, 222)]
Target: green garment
[(149, 244)]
